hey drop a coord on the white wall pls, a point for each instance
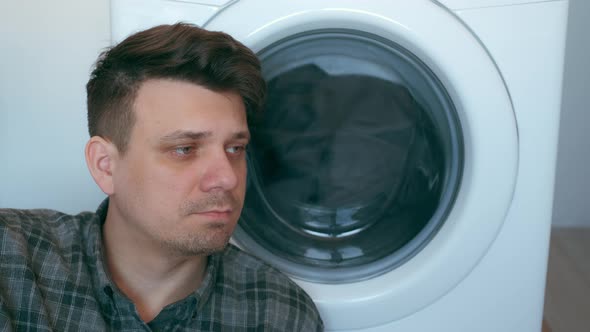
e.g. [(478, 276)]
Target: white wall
[(46, 51), (572, 188), (48, 47)]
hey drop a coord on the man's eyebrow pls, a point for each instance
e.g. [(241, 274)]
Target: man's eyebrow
[(198, 135), (184, 134), (242, 135)]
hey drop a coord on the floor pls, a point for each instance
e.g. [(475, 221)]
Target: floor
[(567, 296)]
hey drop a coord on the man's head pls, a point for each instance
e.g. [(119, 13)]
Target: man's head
[(167, 114), (181, 52)]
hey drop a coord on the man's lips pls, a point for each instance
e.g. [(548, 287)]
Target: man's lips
[(216, 213)]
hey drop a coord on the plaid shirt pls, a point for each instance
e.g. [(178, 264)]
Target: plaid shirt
[(53, 278)]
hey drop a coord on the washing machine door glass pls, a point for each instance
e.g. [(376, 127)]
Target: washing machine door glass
[(356, 160)]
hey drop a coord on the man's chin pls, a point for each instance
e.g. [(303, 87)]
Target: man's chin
[(215, 243)]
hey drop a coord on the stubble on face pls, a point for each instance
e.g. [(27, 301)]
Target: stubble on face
[(210, 237)]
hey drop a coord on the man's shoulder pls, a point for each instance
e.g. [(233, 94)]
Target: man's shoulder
[(41, 223), (38, 232), (43, 270)]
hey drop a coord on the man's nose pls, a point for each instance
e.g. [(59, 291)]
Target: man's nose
[(220, 173)]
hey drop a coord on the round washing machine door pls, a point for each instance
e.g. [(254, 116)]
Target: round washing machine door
[(384, 164)]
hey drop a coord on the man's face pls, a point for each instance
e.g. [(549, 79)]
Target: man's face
[(181, 183)]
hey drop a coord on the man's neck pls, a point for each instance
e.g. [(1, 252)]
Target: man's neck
[(151, 277)]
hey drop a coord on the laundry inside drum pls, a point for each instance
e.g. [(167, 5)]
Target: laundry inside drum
[(345, 171)]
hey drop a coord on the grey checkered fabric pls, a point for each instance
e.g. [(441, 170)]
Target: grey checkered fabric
[(53, 278)]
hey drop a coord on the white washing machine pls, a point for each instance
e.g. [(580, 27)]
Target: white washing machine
[(403, 172)]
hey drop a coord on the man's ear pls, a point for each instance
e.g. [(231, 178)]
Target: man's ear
[(101, 156)]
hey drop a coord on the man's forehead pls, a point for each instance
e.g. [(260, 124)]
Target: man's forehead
[(170, 107), (168, 90)]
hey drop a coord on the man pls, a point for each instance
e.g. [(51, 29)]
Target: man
[(167, 116)]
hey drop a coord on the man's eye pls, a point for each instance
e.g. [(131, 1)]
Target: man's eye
[(236, 149), (183, 150)]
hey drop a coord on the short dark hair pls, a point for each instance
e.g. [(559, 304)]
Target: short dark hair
[(180, 51)]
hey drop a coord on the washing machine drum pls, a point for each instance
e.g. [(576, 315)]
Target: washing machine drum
[(346, 172)]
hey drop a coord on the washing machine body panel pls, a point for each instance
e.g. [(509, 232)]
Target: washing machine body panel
[(493, 244), (478, 4)]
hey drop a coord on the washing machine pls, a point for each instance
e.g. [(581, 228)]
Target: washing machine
[(403, 170)]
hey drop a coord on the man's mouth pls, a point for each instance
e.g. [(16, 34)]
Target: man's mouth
[(216, 213)]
